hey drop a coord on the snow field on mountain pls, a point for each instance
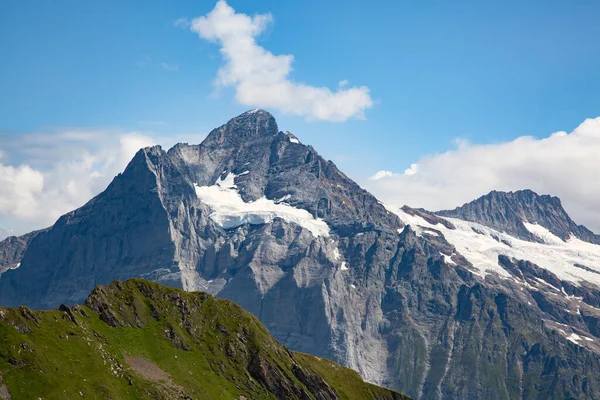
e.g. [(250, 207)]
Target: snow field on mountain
[(229, 210), (481, 246)]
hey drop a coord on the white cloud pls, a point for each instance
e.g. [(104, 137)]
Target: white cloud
[(412, 169), (60, 171), (19, 188), (563, 164), (380, 175), (261, 79)]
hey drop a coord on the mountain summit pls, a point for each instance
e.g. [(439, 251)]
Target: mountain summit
[(510, 212), (497, 299)]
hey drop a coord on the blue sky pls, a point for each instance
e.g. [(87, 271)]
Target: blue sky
[(485, 72)]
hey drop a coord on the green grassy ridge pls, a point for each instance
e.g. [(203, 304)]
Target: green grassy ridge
[(211, 349)]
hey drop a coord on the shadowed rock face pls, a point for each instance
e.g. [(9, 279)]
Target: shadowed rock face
[(506, 212), (12, 249), (397, 303)]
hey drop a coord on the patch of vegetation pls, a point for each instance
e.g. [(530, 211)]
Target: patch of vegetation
[(141, 340)]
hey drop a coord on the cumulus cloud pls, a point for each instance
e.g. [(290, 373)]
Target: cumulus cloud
[(563, 164), (380, 175), (60, 171), (261, 79), (19, 188), (411, 170)]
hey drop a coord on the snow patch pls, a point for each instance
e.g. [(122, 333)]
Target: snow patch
[(294, 140), (17, 265), (336, 254), (575, 338), (543, 282), (344, 266), (282, 199), (481, 246), (543, 233), (229, 210), (448, 259), (226, 183)]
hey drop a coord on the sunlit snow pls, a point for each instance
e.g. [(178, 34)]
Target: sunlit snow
[(229, 210), (336, 254), (543, 233), (483, 247), (575, 338), (284, 198), (448, 259), (17, 265)]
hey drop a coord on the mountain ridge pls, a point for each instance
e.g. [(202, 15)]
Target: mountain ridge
[(508, 211), (409, 299), (138, 339)]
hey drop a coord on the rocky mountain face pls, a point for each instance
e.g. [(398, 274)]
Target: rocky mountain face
[(438, 306), (138, 339), (12, 249), (507, 212)]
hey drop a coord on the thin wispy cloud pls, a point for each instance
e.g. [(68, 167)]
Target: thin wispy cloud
[(169, 67), (261, 78), (144, 62), (563, 164), (182, 22)]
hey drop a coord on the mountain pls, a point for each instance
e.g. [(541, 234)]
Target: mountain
[(435, 306), (509, 212), (141, 340), (12, 249)]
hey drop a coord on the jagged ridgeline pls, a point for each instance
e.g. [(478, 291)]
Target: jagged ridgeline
[(497, 299), (142, 340)]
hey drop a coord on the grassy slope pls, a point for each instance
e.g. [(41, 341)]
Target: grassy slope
[(211, 348)]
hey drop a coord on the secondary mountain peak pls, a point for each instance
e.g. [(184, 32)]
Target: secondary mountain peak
[(516, 212)]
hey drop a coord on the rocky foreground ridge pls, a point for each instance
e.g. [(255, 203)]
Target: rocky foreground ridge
[(497, 299), (138, 339)]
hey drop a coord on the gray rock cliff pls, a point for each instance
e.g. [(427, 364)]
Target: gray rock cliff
[(255, 216)]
